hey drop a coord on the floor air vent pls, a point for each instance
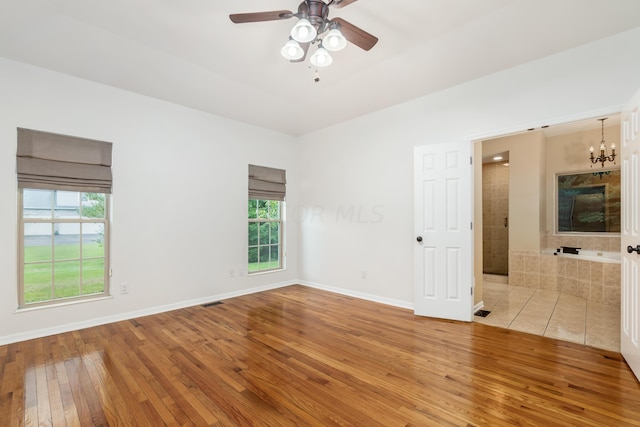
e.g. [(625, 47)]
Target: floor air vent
[(482, 313), (210, 304)]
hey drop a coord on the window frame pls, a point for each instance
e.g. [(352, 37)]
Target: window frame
[(53, 220), (281, 234)]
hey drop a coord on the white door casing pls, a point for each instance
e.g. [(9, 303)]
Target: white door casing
[(443, 208), (630, 237)]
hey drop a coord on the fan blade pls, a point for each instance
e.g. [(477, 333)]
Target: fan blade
[(342, 3), (356, 35), (305, 47), (276, 15)]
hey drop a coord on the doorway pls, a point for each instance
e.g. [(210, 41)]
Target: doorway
[(543, 291), (495, 214)]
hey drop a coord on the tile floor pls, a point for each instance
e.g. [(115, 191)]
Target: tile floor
[(551, 314)]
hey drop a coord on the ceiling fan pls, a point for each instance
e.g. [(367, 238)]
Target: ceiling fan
[(313, 23)]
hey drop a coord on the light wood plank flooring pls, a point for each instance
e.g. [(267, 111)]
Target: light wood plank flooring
[(302, 357)]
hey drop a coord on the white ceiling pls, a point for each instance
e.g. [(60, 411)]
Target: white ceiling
[(188, 51)]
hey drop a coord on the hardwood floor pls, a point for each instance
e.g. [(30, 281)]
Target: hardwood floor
[(299, 356)]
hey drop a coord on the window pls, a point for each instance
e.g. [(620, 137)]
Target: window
[(64, 246), (267, 190), (265, 235), (64, 184), (589, 202)]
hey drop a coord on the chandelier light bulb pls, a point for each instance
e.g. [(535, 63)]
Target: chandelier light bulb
[(303, 31), (292, 50), (321, 58), (334, 41)]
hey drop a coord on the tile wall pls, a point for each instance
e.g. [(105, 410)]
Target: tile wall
[(594, 281)]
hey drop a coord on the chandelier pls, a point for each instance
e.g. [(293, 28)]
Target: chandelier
[(603, 157), (313, 22)]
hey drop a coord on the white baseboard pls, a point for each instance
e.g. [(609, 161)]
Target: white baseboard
[(360, 295), (8, 339), (478, 306), (39, 333)]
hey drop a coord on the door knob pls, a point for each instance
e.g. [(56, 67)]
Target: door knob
[(419, 239), (632, 249)]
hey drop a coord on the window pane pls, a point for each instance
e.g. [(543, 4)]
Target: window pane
[(92, 240), (66, 241), (275, 256), (37, 282), (37, 203), (253, 259), (253, 233), (37, 242), (264, 257), (264, 233), (263, 209), (67, 204), (275, 233), (274, 209), (92, 276), (253, 209), (66, 279), (93, 205)]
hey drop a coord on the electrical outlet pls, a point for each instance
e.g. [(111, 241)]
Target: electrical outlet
[(241, 272), (363, 274), (124, 288), (231, 273)]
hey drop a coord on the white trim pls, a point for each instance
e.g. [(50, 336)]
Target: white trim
[(360, 295), (478, 306), (61, 303), (554, 121), (39, 333)]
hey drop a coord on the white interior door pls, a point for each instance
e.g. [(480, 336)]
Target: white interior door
[(630, 241), (444, 242)]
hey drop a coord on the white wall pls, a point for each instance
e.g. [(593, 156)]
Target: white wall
[(179, 196), (367, 162), (350, 204)]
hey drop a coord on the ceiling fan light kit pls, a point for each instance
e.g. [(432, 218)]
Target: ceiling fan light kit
[(321, 58), (292, 50), (303, 31), (334, 41), (314, 27)]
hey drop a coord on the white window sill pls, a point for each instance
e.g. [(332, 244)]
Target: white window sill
[(62, 304), (260, 273)]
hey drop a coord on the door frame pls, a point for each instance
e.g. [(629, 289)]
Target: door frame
[(476, 141)]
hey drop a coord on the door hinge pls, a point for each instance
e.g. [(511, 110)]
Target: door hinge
[(472, 291), (471, 225), (471, 160)]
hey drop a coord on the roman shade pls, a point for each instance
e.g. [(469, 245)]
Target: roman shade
[(267, 183), (51, 161)]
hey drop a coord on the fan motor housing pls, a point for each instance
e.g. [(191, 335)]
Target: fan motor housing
[(316, 11)]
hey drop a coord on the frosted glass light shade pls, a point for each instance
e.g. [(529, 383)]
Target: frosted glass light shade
[(321, 58), (334, 41), (303, 31), (292, 50)]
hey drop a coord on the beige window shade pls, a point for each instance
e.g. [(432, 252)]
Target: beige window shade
[(51, 161), (267, 183)]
